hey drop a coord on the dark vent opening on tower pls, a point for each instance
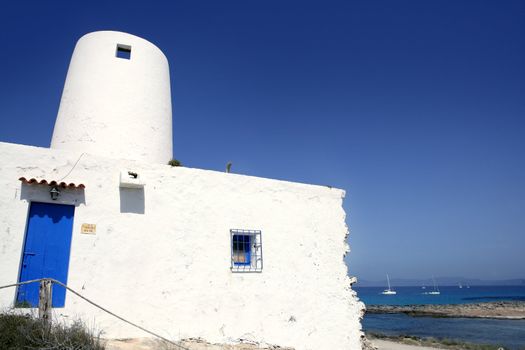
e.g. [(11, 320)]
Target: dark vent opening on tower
[(123, 51)]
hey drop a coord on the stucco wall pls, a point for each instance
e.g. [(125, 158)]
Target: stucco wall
[(161, 257)]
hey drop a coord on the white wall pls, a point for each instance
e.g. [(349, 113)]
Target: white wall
[(116, 107), (169, 268)]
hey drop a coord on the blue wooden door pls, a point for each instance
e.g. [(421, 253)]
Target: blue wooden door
[(46, 250)]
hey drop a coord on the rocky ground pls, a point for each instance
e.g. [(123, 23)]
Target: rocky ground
[(501, 309), (406, 342), (375, 343), (190, 344), (151, 344), (390, 345)]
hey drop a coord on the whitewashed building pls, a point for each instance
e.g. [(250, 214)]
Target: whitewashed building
[(184, 252)]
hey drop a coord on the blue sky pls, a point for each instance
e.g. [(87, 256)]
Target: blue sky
[(416, 108)]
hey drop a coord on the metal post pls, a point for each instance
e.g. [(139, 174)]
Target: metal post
[(44, 301)]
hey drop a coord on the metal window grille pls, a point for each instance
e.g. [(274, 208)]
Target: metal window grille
[(246, 251)]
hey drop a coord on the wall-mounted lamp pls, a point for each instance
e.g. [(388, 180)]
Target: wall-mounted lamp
[(54, 192), (131, 179)]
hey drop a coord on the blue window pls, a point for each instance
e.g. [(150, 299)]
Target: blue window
[(241, 249), (124, 51), (246, 250)]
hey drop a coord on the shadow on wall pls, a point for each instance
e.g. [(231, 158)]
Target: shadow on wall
[(132, 200)]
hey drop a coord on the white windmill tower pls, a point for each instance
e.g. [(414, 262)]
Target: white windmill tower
[(116, 100)]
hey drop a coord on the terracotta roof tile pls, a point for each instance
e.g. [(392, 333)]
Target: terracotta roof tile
[(34, 181)]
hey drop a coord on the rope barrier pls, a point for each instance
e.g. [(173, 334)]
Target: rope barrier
[(21, 283), (98, 306)]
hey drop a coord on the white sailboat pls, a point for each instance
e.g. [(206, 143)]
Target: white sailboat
[(436, 288), (388, 291)]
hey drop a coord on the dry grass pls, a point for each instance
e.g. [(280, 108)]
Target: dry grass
[(27, 332)]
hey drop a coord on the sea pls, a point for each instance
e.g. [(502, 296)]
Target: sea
[(509, 334)]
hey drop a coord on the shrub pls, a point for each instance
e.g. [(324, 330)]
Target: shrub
[(27, 332), (174, 162)]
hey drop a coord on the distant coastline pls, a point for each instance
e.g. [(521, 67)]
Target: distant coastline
[(499, 310), (441, 281)]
